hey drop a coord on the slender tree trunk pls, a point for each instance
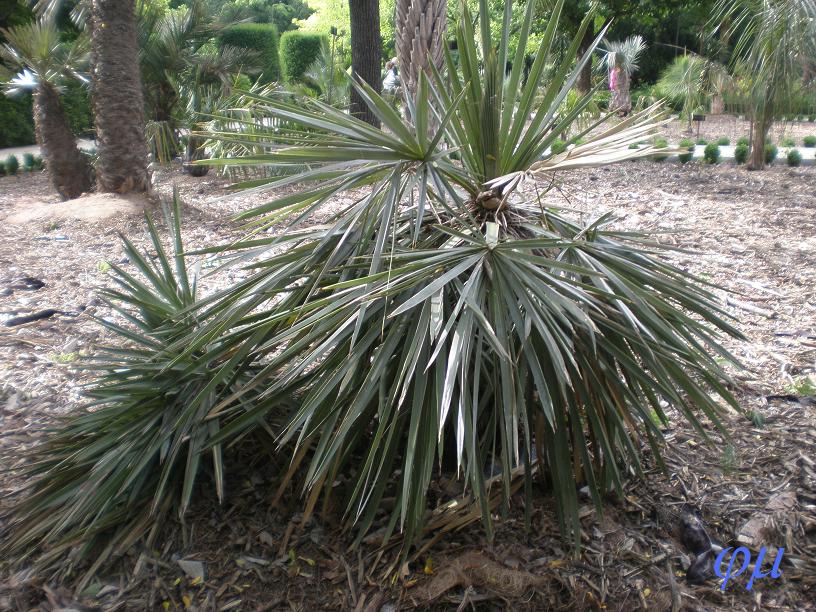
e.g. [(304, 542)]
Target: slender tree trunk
[(68, 168), (584, 82), (117, 98), (760, 136), (365, 52)]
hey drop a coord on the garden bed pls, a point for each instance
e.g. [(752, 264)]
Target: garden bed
[(754, 233)]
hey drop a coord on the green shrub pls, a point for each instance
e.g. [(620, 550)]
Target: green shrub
[(28, 162), (794, 158), (770, 153), (76, 101), (558, 146), (723, 141), (702, 142), (12, 164), (788, 142), (711, 154), (741, 153), (743, 141), (38, 163), (809, 141), (262, 37), (688, 144), (16, 121), (298, 50), (660, 143), (812, 118)]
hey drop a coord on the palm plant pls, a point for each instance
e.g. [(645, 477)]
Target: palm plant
[(775, 39), (439, 313), (326, 77), (46, 62), (181, 69), (419, 27), (683, 82), (621, 60)]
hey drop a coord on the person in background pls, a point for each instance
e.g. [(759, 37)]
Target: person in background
[(391, 81)]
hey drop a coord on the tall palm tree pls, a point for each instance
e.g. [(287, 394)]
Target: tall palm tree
[(420, 28), (364, 16), (774, 38), (117, 98), (46, 63), (621, 61)]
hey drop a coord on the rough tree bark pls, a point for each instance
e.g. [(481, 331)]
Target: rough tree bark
[(117, 98), (420, 27), (761, 125), (68, 168), (584, 82), (365, 52)]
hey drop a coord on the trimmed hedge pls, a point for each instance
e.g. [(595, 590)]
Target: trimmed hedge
[(16, 122), (262, 37), (297, 52)]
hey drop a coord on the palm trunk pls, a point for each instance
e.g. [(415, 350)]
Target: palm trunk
[(117, 98), (759, 129), (365, 52), (420, 27), (68, 168), (621, 97)]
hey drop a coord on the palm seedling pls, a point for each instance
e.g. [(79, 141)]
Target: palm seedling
[(45, 63), (439, 314)]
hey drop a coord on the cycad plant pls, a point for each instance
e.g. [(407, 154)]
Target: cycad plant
[(621, 60), (46, 63), (440, 316)]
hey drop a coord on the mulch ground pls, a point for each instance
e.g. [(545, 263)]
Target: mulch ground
[(752, 233)]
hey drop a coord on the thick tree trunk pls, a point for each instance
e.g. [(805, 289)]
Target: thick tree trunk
[(68, 168), (759, 136), (584, 82), (117, 98), (621, 97), (365, 52), (420, 27)]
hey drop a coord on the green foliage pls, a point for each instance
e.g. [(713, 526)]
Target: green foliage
[(558, 146), (771, 151), (436, 312), (660, 143), (12, 164), (787, 142), (298, 50), (741, 153), (723, 141), (711, 154), (260, 37), (76, 102), (743, 140), (794, 158), (809, 141), (688, 144), (16, 121), (281, 13), (28, 162), (702, 142)]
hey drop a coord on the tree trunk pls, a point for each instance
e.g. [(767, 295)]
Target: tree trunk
[(760, 133), (68, 168), (621, 98), (420, 27), (584, 82), (365, 52), (117, 98), (717, 104)]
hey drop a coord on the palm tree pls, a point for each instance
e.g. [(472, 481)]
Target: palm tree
[(683, 83), (46, 63), (621, 59), (117, 98), (420, 27), (774, 39)]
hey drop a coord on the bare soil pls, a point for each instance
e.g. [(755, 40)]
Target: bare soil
[(753, 234)]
